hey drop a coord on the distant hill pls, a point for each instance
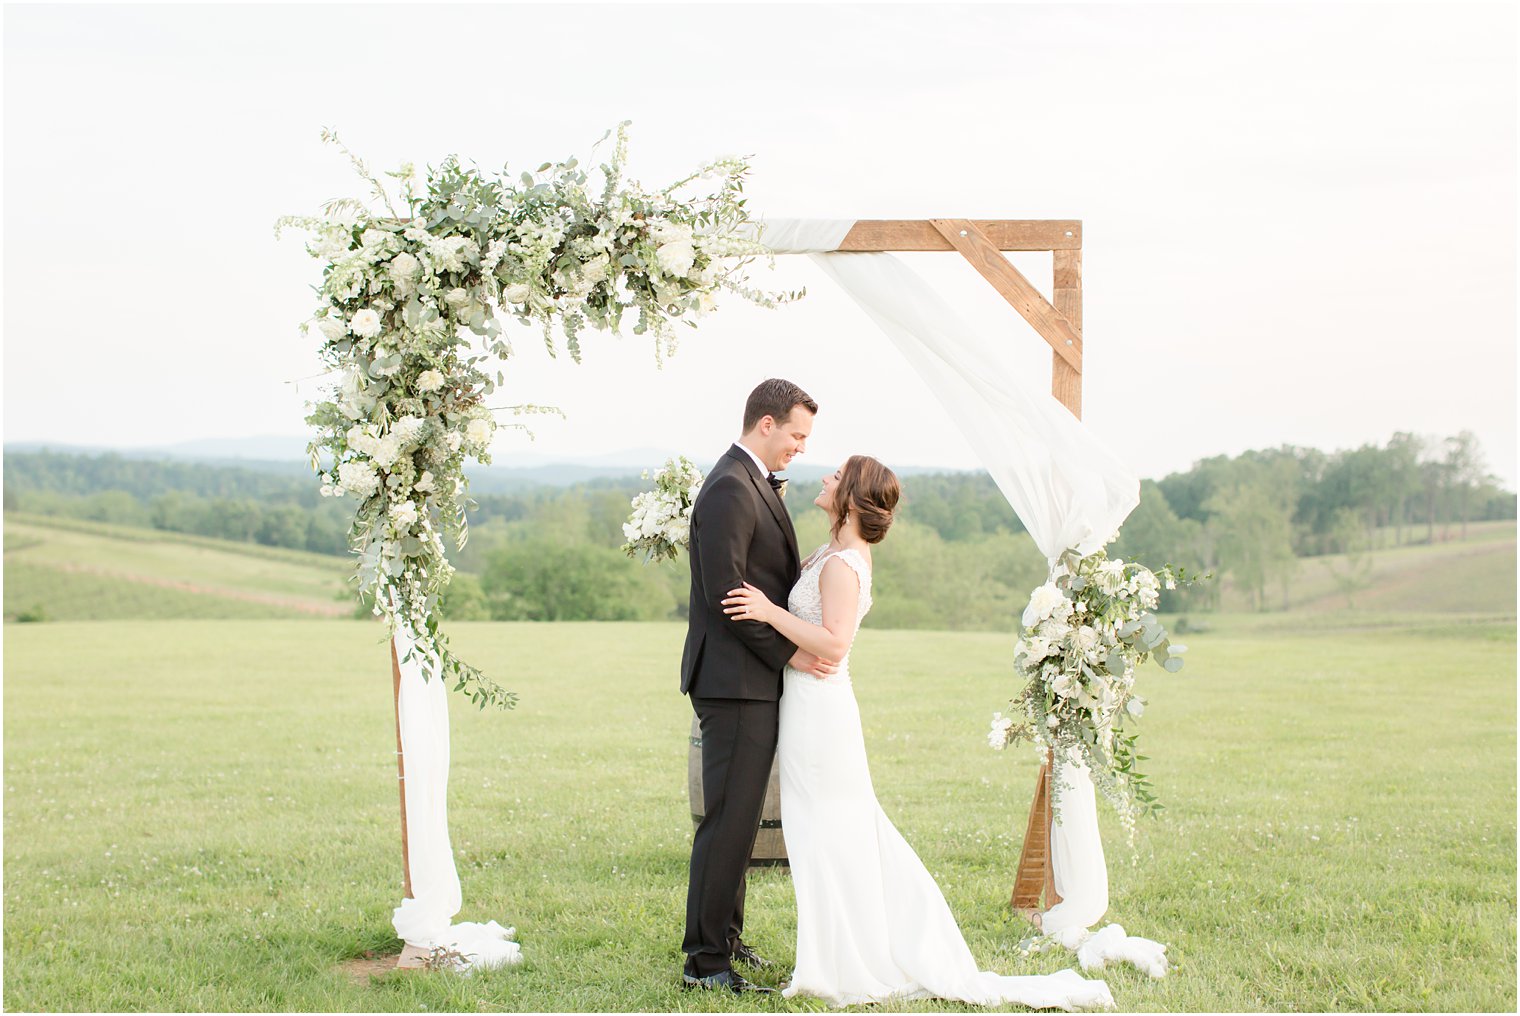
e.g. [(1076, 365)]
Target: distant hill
[(74, 570), (509, 473)]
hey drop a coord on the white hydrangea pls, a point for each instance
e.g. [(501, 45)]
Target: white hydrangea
[(408, 429), (358, 477)]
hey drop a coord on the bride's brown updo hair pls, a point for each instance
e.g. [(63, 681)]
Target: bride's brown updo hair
[(869, 491)]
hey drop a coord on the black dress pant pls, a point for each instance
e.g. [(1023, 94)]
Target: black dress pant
[(738, 746)]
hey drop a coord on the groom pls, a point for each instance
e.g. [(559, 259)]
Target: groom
[(740, 532)]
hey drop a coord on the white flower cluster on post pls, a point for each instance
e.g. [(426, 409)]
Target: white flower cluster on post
[(1085, 631), (408, 319), (660, 523)]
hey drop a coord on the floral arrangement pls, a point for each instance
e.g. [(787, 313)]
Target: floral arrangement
[(407, 314), (660, 524), (1085, 633)]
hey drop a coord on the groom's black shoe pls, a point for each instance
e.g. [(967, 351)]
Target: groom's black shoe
[(724, 979), (744, 954)]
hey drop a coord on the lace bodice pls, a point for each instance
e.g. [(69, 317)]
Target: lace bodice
[(807, 602)]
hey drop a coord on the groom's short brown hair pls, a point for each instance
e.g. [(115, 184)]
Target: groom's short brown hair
[(775, 398)]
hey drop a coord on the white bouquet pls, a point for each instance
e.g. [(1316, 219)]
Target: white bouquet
[(660, 524), (1085, 632)]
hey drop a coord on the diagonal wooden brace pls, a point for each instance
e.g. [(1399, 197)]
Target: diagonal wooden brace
[(1053, 326)]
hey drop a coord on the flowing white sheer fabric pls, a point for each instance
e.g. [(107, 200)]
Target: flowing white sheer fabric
[(1065, 485), (423, 920)]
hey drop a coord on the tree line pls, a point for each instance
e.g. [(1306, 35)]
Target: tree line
[(957, 557)]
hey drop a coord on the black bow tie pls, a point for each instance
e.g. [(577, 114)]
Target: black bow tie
[(777, 483)]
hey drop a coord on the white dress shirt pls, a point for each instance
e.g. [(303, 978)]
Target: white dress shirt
[(764, 470)]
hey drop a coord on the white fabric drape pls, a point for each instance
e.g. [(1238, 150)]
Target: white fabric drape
[(1066, 486), (423, 920)]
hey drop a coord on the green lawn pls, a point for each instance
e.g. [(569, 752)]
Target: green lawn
[(202, 815)]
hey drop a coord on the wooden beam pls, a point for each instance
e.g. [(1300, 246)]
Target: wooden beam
[(1004, 234), (984, 256), (1065, 382)]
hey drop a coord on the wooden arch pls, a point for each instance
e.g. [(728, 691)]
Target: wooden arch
[(1059, 322)]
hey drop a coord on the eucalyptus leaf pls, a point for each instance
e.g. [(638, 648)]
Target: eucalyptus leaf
[(1172, 664)]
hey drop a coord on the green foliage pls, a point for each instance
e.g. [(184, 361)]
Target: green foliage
[(551, 580)]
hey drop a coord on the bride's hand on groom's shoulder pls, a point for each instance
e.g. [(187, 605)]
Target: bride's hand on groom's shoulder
[(749, 604)]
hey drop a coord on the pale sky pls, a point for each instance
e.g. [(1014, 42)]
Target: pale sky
[(1300, 221)]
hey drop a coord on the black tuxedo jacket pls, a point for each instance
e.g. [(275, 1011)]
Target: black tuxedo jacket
[(740, 532)]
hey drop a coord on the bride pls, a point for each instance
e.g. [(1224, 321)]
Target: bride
[(872, 924)]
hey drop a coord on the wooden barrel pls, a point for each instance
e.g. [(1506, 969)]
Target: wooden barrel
[(770, 846)]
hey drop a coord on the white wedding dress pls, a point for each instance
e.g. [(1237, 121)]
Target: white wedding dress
[(872, 924)]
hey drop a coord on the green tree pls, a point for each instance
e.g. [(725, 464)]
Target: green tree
[(1254, 536), (1353, 572)]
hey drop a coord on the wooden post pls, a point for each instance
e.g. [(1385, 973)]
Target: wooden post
[(406, 867), (1035, 875), (1065, 380)]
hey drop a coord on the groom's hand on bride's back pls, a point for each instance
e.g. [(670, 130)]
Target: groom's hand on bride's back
[(809, 664)]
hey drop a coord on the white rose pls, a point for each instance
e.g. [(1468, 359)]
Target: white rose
[(675, 258), (404, 515), (1064, 684), (1041, 602), (593, 272), (453, 440), (1036, 649), (365, 324), (457, 297), (478, 432), (1086, 638), (332, 328), (429, 381), (518, 292)]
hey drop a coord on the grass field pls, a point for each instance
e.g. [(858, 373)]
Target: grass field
[(202, 815)]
